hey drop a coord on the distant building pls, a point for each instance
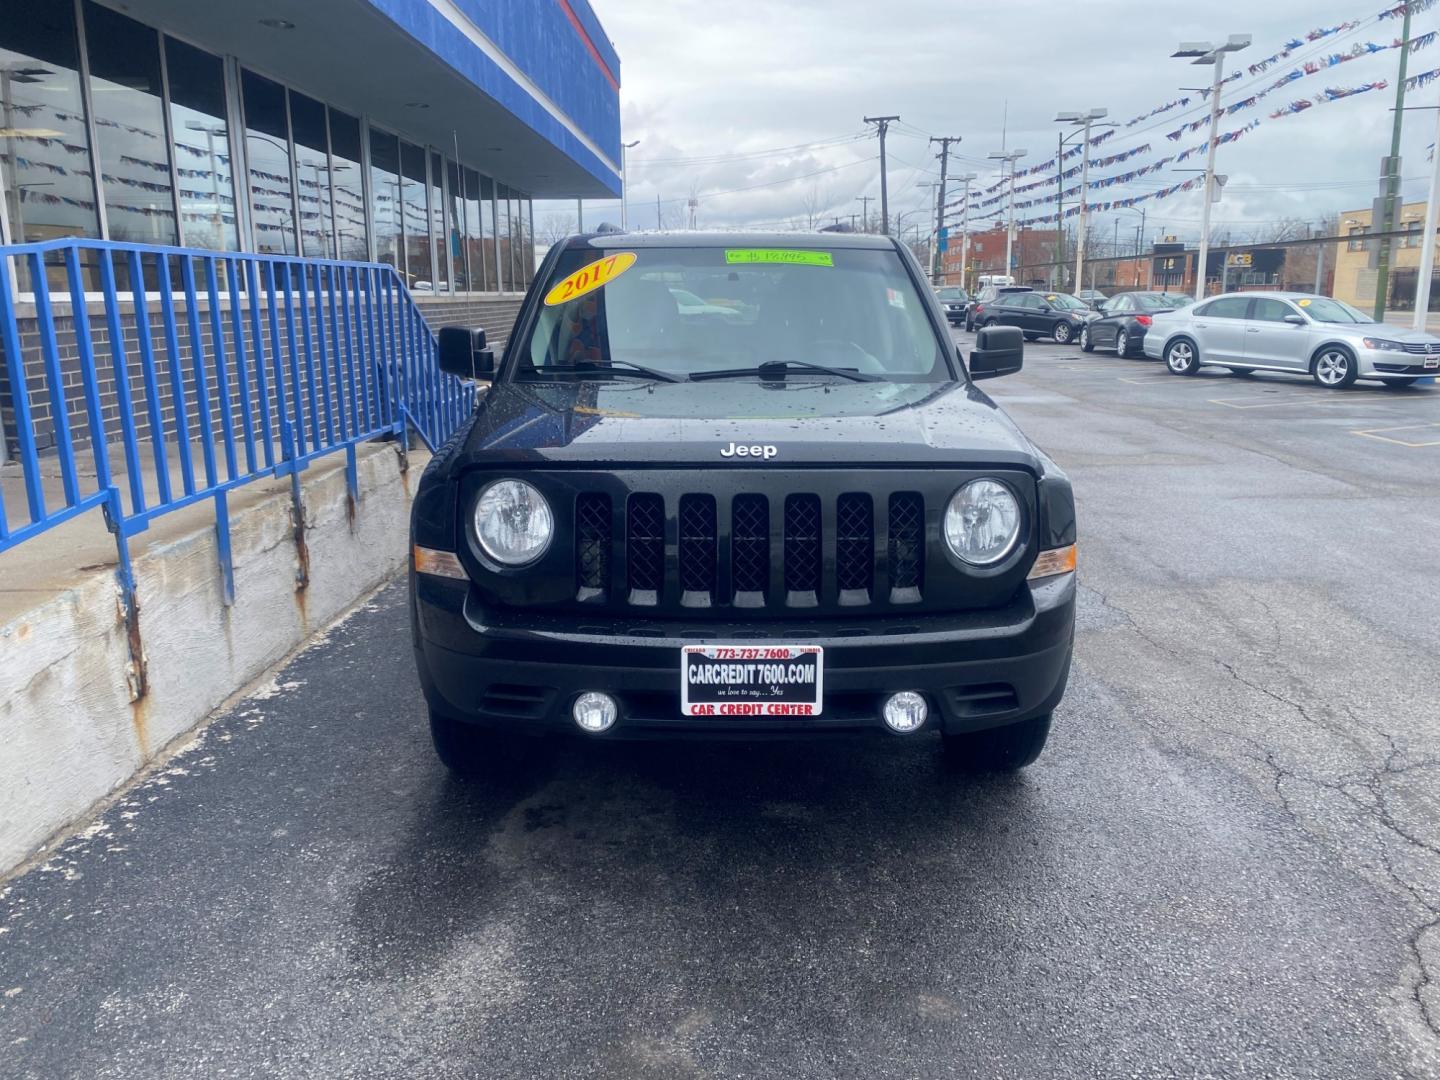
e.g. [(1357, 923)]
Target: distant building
[(1032, 251), (1355, 272)]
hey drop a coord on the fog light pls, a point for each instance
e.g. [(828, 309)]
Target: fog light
[(594, 711), (905, 712)]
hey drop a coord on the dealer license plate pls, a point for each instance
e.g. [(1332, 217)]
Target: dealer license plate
[(1432, 362), (752, 680)]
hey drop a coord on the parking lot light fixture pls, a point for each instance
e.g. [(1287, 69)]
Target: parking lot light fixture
[(1084, 120), (1204, 52), (1008, 159)]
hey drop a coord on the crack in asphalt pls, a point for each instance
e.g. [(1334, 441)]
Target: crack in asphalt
[(1372, 779)]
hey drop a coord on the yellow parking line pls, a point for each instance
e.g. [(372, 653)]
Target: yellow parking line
[(1375, 433), (1299, 399)]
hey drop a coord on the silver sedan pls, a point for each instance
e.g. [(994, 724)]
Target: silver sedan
[(1301, 333)]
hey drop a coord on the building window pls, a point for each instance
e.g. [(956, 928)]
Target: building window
[(416, 218), (437, 223), (1357, 233), (133, 152), (1411, 239), (503, 249), (347, 186), (312, 176), (267, 157), (202, 150), (455, 208), (44, 148), (489, 235), (385, 193)]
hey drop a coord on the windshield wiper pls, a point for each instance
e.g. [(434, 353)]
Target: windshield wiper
[(616, 367), (779, 368)]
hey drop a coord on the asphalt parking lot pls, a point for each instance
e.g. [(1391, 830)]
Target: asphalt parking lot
[(1226, 864)]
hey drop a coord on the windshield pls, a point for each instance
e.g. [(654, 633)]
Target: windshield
[(1323, 309), (951, 293), (1065, 302), (684, 310)]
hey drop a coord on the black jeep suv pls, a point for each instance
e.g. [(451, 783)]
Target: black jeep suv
[(786, 509)]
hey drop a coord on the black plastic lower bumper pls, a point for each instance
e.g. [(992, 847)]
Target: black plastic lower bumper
[(976, 669)]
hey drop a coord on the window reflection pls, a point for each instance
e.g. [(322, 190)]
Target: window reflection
[(454, 246), (267, 153), (202, 149), (347, 186), (502, 238), (130, 127), (476, 276), (312, 173), (437, 224), (385, 190), (416, 217), (44, 150)]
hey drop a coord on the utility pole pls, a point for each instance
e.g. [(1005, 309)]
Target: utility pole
[(882, 124), (1060, 205), (659, 225), (1008, 159), (1390, 180), (865, 201), (1086, 119), (1204, 53), (944, 141)]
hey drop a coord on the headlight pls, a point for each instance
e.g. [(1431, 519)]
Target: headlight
[(982, 522), (513, 523), (1383, 345)]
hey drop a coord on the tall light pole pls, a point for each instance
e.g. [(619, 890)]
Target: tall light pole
[(1204, 53), (1085, 120), (625, 185), (965, 225), (1009, 158), (1427, 242)]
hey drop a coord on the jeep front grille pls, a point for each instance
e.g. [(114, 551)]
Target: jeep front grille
[(812, 568)]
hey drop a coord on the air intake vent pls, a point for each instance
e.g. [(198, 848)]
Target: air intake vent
[(907, 547), (802, 550), (645, 547), (592, 544), (855, 547), (697, 550), (750, 549)]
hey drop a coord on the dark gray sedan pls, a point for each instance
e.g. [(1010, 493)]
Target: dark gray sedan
[(1125, 319)]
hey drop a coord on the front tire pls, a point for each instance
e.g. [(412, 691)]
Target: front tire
[(1002, 749), (1334, 368), (1181, 357), (1122, 342), (1062, 333), (1086, 345)]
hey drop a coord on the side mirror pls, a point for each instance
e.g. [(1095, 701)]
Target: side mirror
[(463, 353), (1000, 350), (1298, 320)]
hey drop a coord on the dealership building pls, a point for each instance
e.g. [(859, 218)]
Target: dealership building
[(408, 132)]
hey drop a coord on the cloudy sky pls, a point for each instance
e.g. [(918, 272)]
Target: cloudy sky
[(754, 107)]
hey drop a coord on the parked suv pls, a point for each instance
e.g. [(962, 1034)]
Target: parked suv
[(954, 300), (987, 295), (803, 519)]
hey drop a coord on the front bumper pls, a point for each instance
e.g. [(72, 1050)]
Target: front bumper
[(1387, 364), (977, 670)]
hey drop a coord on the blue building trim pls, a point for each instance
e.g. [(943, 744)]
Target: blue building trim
[(539, 39)]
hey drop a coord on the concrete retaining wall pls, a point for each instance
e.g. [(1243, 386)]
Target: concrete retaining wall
[(70, 732)]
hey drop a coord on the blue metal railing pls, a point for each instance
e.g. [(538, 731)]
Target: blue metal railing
[(201, 372)]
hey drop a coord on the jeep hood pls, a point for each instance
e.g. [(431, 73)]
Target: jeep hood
[(808, 422)]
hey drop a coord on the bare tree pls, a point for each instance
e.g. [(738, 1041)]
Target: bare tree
[(815, 202), (554, 227)]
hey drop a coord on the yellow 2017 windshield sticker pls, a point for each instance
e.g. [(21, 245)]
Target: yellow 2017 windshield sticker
[(779, 255), (589, 278)]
